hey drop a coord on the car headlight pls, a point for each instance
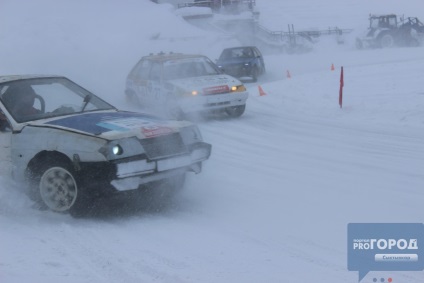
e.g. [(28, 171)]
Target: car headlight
[(190, 93), (238, 88), (117, 150), (187, 92)]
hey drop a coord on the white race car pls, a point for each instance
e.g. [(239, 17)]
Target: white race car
[(69, 146), (181, 84)]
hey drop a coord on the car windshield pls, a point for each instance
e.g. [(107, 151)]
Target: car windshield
[(188, 68), (39, 98), (236, 53)]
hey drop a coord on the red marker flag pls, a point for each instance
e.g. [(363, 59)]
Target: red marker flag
[(341, 89)]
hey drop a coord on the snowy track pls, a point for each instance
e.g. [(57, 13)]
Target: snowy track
[(273, 202)]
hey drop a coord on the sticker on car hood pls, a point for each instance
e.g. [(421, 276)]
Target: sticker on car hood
[(216, 89), (99, 123)]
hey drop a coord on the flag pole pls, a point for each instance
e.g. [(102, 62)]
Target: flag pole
[(341, 88)]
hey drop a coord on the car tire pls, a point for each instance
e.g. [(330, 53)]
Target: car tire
[(255, 74), (235, 111), (387, 41), (263, 70), (55, 187)]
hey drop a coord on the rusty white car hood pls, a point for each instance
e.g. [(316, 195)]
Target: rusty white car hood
[(206, 83), (114, 125)]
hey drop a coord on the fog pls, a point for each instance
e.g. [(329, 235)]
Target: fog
[(273, 202)]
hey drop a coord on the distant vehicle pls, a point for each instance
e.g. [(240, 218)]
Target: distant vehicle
[(70, 147), (179, 84), (385, 31), (223, 6), (242, 62)]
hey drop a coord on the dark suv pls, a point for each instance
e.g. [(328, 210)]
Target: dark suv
[(240, 62)]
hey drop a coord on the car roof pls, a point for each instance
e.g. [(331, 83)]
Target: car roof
[(239, 47), (384, 16), (162, 57), (9, 78)]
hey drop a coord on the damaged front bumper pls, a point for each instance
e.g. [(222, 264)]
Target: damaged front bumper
[(213, 102), (132, 174)]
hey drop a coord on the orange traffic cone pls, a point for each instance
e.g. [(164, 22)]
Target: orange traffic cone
[(288, 74), (332, 67), (261, 91)]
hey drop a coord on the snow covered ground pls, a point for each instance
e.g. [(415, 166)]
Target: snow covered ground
[(273, 202)]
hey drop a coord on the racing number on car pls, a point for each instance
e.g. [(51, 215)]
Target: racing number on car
[(154, 90), (142, 90)]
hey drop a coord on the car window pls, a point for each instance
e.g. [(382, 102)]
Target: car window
[(141, 71), (237, 52), (54, 94), (374, 23), (189, 67), (256, 52), (155, 72), (247, 53), (392, 22), (32, 99), (232, 53), (226, 54)]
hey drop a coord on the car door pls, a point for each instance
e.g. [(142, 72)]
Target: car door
[(137, 83), (155, 84), (5, 139), (5, 152), (259, 57)]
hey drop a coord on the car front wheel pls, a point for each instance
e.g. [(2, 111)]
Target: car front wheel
[(58, 189), (54, 186), (255, 74), (235, 111)]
